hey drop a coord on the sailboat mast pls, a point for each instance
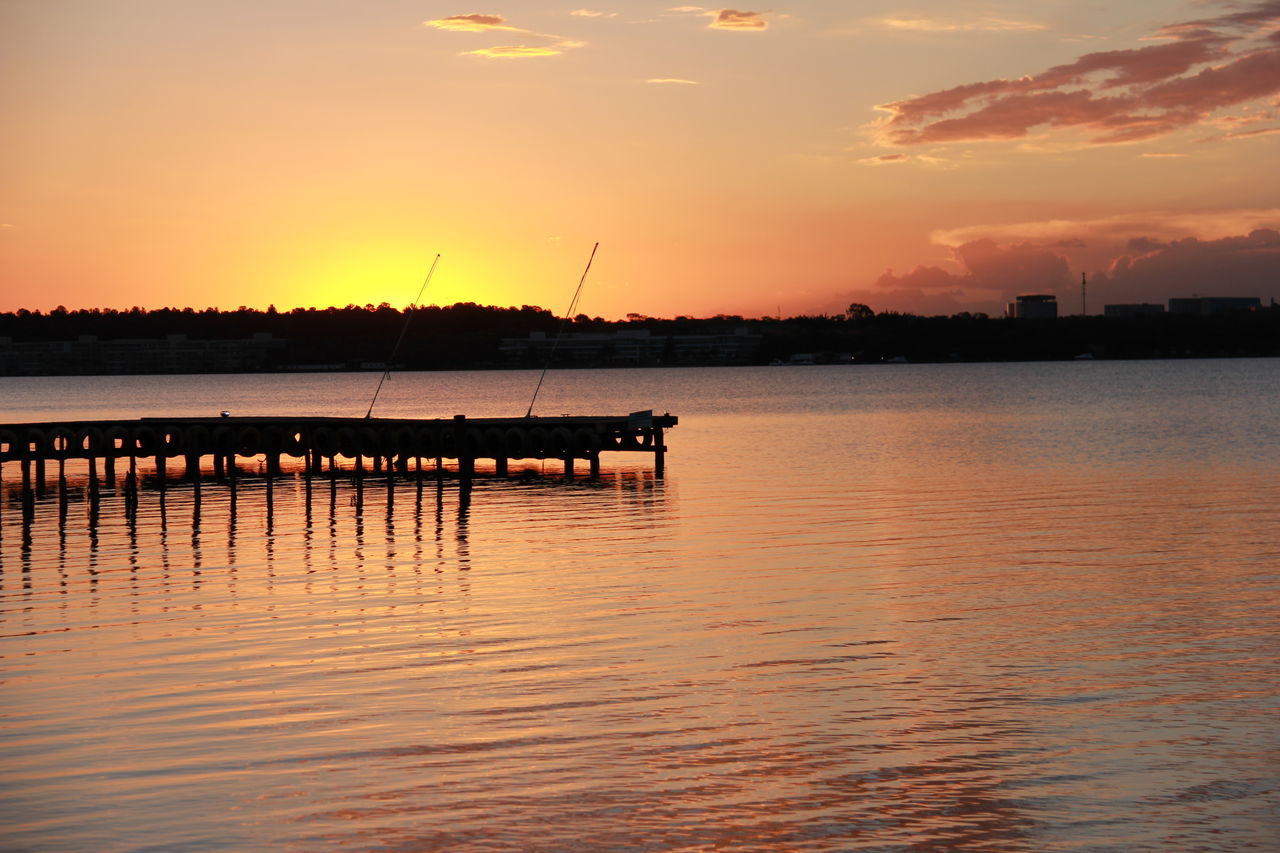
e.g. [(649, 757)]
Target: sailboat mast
[(408, 315), (572, 304)]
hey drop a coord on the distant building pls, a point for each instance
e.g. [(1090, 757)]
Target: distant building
[(631, 347), (1033, 306), (172, 354), (1137, 309), (1205, 305)]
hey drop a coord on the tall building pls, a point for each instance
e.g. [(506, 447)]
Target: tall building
[(1033, 306)]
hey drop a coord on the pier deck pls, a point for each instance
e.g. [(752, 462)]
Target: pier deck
[(390, 442)]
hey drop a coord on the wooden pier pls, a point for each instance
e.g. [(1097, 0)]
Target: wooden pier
[(393, 445)]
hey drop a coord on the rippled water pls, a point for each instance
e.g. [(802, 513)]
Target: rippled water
[(1013, 607)]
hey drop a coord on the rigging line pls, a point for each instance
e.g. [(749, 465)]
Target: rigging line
[(408, 315), (573, 303)]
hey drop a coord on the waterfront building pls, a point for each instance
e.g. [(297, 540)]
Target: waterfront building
[(88, 355), (1136, 309), (1207, 305), (1033, 306), (633, 347)]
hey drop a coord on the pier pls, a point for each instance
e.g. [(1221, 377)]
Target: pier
[(369, 446)]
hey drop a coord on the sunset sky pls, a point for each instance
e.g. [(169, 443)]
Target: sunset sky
[(930, 157)]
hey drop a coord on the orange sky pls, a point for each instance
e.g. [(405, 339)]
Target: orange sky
[(167, 152)]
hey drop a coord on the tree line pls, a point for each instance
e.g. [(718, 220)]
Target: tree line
[(467, 335)]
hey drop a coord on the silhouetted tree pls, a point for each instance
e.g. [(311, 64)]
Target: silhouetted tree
[(859, 312)]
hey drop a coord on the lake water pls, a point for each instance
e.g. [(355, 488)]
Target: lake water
[(953, 607)]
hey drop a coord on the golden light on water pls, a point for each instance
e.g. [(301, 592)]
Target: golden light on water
[(942, 612)]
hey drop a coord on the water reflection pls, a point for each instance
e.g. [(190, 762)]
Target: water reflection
[(144, 508), (909, 625)]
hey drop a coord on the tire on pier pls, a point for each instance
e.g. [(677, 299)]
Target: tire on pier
[(428, 442), (62, 443), (348, 443), (324, 442), (273, 440), (249, 441), (386, 442), (450, 443), (473, 444), (495, 443), (585, 442), (10, 445), (145, 441), (295, 444), (369, 442), (404, 443), (118, 441), (199, 441), (538, 441), (560, 442), (226, 441), (91, 442), (38, 444), (173, 439), (515, 442)]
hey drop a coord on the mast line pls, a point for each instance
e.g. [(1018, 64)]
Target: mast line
[(569, 313), (408, 315)]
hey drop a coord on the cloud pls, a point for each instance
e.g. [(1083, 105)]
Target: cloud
[(592, 13), (727, 19), (988, 276), (1160, 154), (513, 51), (1242, 265), (1118, 230), (934, 25), (883, 160), (473, 24), (1128, 259), (675, 80), (481, 23), (1018, 268), (732, 19), (1245, 134), (936, 162), (1200, 68), (921, 279)]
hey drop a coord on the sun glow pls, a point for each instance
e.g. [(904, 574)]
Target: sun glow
[(373, 273)]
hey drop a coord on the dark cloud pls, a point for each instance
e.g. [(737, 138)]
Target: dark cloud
[(989, 276), (1140, 269), (1021, 268), (1118, 95), (884, 159), (1144, 244), (1232, 266), (921, 279)]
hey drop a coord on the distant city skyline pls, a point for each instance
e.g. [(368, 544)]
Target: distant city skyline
[(789, 159)]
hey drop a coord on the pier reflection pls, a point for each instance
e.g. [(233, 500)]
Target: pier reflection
[(270, 523)]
